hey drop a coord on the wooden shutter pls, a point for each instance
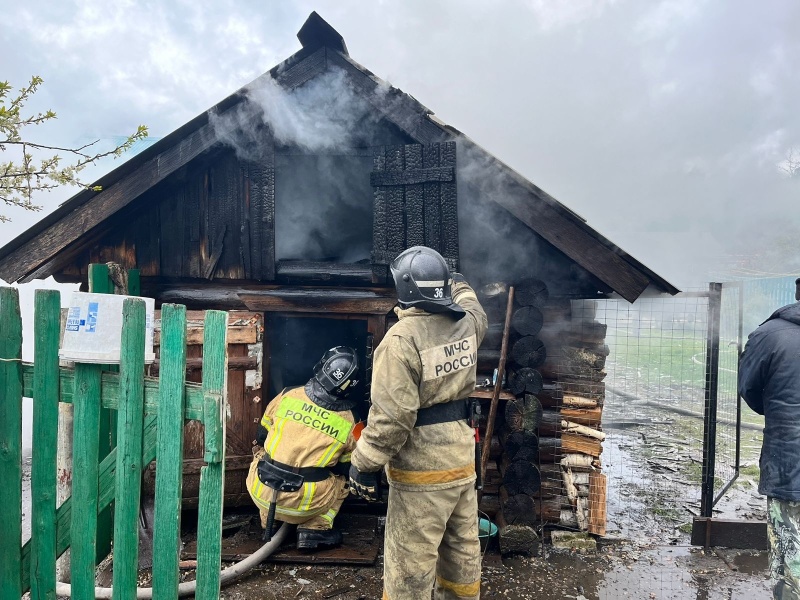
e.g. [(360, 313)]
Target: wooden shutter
[(414, 203)]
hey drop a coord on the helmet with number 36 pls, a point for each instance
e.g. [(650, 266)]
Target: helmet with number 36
[(423, 280)]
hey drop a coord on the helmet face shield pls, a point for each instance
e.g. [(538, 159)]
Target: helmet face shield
[(337, 371), (422, 279)]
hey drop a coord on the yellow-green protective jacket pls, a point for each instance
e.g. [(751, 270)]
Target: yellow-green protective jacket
[(425, 359), (302, 434)]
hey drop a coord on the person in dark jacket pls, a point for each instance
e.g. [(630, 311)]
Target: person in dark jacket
[(769, 382)]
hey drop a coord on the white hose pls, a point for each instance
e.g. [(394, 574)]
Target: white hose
[(187, 589)]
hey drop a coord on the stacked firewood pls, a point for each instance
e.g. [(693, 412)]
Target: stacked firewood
[(570, 435), (548, 440)]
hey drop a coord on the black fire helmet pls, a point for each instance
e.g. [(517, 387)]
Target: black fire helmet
[(337, 371), (422, 279)]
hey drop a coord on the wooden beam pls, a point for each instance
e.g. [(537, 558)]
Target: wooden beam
[(333, 300), (412, 176)]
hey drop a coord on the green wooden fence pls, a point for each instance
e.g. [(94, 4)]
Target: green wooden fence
[(150, 419)]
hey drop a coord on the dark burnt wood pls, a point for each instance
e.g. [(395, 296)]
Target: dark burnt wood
[(414, 175), (523, 413), (528, 351), (449, 209), (414, 197), (527, 320), (334, 300), (299, 271), (525, 380)]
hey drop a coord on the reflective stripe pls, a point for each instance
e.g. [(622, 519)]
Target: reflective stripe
[(431, 477), (257, 488), (278, 432), (328, 455), (308, 495), (266, 421), (329, 516), (430, 284), (462, 590), (305, 412)]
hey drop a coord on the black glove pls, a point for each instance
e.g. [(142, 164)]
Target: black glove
[(365, 485), (458, 277)]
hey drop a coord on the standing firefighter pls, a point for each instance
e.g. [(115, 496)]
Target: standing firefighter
[(423, 372), (308, 432)]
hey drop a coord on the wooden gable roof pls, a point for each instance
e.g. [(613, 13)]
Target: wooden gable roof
[(41, 250)]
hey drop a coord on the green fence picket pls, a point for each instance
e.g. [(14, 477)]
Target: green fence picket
[(10, 445), (209, 527), (169, 472), (130, 420), (85, 459), (47, 306)]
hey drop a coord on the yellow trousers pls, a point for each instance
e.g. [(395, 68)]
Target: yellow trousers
[(432, 543)]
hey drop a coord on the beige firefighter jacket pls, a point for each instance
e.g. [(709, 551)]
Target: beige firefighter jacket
[(425, 359), (302, 434)]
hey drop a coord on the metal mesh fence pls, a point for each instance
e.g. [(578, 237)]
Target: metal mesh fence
[(641, 370)]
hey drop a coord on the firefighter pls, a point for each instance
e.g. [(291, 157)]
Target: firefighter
[(424, 370), (309, 430)]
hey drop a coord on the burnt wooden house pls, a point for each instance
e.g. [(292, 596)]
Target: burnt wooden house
[(237, 211)]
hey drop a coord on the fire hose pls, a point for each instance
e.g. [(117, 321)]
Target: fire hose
[(226, 576)]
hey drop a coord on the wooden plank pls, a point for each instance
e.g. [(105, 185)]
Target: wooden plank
[(169, 477), (380, 258), (129, 451), (597, 503), (431, 195), (412, 175), (110, 391), (334, 300), (100, 283), (10, 444), (209, 535), (730, 533), (47, 325), (86, 436), (236, 335), (415, 199), (449, 209), (395, 206)]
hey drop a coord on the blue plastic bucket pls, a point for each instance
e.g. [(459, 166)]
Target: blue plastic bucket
[(486, 531)]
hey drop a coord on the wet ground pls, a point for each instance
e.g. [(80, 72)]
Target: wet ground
[(652, 456)]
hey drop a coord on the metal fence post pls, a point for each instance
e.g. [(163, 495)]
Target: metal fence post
[(711, 390)]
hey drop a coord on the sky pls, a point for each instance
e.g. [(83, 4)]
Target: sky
[(663, 123)]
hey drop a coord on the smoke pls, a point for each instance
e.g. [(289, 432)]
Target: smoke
[(321, 115), (495, 245)]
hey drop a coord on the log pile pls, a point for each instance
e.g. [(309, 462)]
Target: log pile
[(548, 438), (571, 437)]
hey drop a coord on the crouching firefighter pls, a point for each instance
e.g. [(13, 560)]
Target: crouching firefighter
[(418, 428), (305, 439)]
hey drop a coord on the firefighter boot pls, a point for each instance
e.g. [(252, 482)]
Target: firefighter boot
[(311, 539)]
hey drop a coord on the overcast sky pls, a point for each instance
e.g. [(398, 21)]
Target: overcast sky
[(664, 124)]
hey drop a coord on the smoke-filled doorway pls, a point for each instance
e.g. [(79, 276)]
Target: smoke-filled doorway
[(323, 207), (294, 344)]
